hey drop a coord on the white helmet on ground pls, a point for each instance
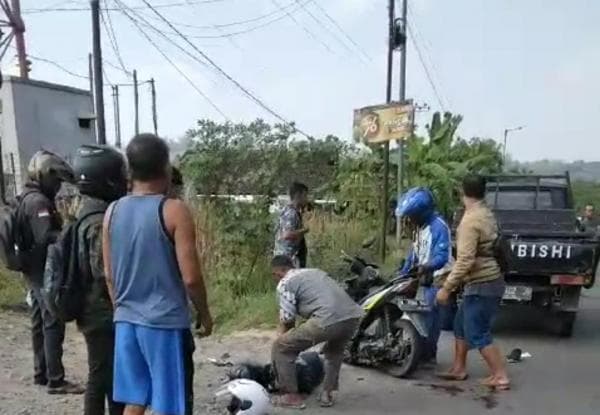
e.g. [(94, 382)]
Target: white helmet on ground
[(246, 397)]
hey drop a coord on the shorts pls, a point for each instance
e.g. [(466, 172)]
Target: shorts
[(154, 368), (474, 319)]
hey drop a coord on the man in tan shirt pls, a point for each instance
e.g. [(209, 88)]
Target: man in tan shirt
[(477, 273)]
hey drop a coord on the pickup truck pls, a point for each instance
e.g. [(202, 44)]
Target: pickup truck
[(547, 259)]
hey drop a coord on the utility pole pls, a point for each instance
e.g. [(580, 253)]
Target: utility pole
[(136, 102), (18, 27), (386, 147), (117, 116), (91, 75), (401, 143), (154, 111), (506, 131), (98, 78)]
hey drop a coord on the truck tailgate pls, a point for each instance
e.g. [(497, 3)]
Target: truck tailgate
[(551, 254)]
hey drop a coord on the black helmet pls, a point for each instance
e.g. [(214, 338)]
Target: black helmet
[(100, 171), (49, 171)]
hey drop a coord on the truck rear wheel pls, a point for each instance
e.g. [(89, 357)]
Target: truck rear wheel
[(566, 322)]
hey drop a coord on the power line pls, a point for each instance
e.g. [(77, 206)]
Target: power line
[(307, 30), (341, 29), (57, 65), (427, 53), (426, 69), (239, 22), (247, 92), (224, 35), (325, 27), (173, 64), (87, 9), (112, 36)]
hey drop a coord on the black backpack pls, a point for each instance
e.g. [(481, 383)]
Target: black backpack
[(64, 286), (12, 251), (501, 250)]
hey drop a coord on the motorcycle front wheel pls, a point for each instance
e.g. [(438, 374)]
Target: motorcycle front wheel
[(409, 348)]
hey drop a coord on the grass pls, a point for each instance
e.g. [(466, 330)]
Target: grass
[(241, 290), (12, 290)]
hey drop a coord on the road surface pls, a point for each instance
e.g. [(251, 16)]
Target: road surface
[(561, 377)]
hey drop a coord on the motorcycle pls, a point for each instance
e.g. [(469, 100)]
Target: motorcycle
[(391, 334)]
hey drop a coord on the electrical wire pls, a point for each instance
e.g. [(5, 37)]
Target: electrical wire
[(173, 64), (87, 9), (238, 22), (306, 29), (426, 69), (326, 28), (427, 53), (242, 88), (112, 36), (57, 65), (148, 24), (341, 29)]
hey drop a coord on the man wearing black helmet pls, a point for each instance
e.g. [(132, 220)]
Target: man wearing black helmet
[(39, 225), (101, 177)]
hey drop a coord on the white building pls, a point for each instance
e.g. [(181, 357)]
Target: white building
[(37, 115)]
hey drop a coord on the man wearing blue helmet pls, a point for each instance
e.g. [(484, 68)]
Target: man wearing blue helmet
[(431, 253)]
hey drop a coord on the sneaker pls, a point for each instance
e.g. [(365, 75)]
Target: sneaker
[(65, 388)]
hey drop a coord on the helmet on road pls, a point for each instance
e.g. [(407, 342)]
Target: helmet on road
[(246, 397), (100, 171), (49, 171), (417, 204)]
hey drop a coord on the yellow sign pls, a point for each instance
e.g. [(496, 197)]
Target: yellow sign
[(381, 123)]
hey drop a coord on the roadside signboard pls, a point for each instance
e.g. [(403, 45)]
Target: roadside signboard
[(382, 123)]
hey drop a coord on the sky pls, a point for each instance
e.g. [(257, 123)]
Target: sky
[(501, 64)]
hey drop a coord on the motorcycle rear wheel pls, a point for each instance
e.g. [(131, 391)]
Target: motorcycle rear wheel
[(408, 334)]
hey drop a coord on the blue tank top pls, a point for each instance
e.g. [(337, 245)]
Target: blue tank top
[(148, 287)]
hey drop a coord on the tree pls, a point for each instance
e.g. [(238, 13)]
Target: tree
[(440, 160)]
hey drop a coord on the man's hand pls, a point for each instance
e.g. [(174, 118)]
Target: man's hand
[(204, 324), (443, 296)]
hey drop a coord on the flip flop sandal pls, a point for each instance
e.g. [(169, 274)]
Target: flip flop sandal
[(279, 402), (326, 400), (452, 376), (500, 387)]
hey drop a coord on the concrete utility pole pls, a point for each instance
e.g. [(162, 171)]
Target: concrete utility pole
[(98, 78), (136, 102), (18, 27), (117, 116), (401, 143), (386, 149), (154, 110)]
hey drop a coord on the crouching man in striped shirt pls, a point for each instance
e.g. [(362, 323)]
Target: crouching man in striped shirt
[(331, 317)]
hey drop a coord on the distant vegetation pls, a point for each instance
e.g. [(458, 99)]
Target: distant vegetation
[(587, 171)]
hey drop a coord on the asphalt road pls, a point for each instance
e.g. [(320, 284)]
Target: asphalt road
[(561, 377)]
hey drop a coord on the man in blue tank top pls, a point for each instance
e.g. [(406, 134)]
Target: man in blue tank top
[(152, 267)]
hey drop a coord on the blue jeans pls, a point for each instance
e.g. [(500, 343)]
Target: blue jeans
[(474, 319)]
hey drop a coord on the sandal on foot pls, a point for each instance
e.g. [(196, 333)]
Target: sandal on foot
[(281, 402), (326, 400), (452, 376)]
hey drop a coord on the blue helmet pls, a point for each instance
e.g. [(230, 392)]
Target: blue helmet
[(417, 203)]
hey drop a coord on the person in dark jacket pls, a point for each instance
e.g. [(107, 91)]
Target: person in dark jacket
[(39, 225), (101, 179)]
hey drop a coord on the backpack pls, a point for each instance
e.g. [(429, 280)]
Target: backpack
[(63, 290), (12, 252), (501, 251)]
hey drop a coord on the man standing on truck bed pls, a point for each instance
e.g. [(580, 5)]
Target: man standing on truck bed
[(477, 272)]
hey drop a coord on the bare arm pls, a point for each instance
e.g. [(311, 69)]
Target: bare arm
[(106, 253), (180, 224)]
